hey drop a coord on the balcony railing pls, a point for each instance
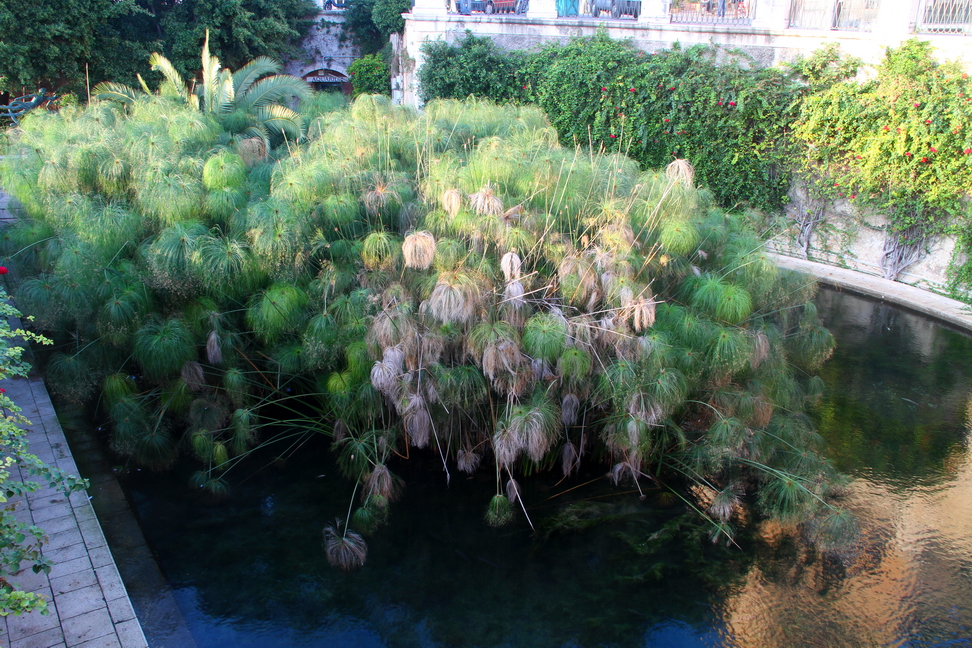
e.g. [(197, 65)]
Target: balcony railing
[(850, 15), (720, 12), (944, 17)]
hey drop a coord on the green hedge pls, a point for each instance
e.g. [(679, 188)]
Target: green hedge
[(730, 118)]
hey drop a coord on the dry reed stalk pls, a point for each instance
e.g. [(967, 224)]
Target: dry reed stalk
[(511, 266), (419, 250), (451, 201), (485, 202), (680, 171)]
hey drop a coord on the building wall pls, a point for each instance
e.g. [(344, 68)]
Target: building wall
[(325, 47)]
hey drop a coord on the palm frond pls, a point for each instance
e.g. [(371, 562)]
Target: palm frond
[(270, 90), (161, 64), (247, 75), (112, 91)]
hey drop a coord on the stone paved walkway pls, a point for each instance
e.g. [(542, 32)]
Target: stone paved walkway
[(89, 605)]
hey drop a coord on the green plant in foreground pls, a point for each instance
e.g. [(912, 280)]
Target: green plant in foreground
[(20, 543), (452, 283)]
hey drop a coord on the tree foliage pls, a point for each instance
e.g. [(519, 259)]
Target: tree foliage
[(387, 16), (54, 44), (50, 44)]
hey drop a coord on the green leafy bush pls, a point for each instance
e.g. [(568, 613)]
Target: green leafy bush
[(900, 144), (370, 75), (20, 542), (474, 66), (730, 118)]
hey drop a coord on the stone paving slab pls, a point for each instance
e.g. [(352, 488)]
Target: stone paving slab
[(939, 307), (89, 606)]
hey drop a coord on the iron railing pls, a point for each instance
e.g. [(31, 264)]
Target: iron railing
[(721, 12), (945, 17), (850, 15)]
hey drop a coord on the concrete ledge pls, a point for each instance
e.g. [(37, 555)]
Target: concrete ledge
[(942, 308)]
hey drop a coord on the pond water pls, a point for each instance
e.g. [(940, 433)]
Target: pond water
[(250, 570)]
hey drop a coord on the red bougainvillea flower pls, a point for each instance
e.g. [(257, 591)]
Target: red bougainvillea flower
[(3, 270), (613, 136), (933, 149), (853, 196), (917, 104), (927, 121), (908, 153), (672, 88), (925, 160), (632, 89), (732, 103), (968, 151), (524, 87), (603, 89), (836, 184), (720, 103), (859, 157), (667, 120), (2, 390)]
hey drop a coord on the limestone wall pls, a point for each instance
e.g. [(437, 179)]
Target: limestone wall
[(852, 238), (325, 47)]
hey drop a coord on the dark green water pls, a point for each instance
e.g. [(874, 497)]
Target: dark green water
[(250, 570)]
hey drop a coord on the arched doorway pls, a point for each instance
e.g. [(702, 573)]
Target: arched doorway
[(324, 80)]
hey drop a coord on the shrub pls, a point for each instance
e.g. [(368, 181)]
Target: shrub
[(474, 66), (900, 144), (370, 75)]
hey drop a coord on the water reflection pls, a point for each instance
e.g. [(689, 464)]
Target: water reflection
[(896, 417), (251, 571)]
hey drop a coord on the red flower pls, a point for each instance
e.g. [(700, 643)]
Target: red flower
[(836, 184), (859, 157), (924, 160), (886, 128), (672, 88), (853, 196), (524, 87), (968, 151), (667, 120), (632, 89), (933, 149), (908, 153), (732, 103), (613, 136), (3, 270), (917, 104), (603, 89), (927, 121), (720, 103), (2, 390)]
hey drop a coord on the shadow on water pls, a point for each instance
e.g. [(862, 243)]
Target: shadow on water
[(250, 570)]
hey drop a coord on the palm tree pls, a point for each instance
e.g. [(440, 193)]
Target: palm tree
[(248, 102)]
